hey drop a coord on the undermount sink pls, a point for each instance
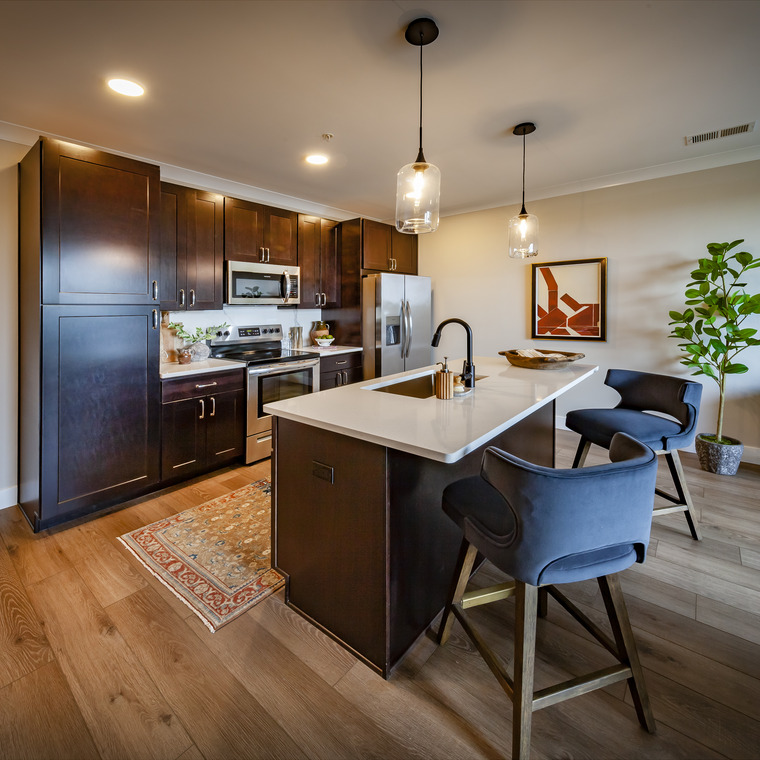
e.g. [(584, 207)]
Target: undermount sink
[(414, 387)]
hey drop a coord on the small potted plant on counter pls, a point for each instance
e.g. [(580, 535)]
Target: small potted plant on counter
[(712, 334), (198, 348)]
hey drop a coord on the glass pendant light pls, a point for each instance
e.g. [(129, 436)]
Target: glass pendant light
[(523, 228), (418, 185)]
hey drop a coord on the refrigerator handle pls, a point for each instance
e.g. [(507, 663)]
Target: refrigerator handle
[(404, 328), (408, 329)]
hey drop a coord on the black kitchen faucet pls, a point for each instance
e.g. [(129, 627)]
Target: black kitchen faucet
[(468, 369)]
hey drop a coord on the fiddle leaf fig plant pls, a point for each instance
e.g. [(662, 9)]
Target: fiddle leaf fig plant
[(711, 328), (199, 336)]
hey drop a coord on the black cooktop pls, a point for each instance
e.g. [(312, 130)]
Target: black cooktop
[(258, 354), (255, 344)]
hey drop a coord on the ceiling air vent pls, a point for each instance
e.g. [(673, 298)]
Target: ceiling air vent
[(718, 133)]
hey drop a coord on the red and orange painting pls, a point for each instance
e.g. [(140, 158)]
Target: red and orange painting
[(569, 299)]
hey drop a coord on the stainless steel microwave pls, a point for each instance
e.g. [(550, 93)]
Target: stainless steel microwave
[(251, 284)]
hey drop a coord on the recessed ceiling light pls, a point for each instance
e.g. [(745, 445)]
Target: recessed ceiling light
[(316, 159), (126, 87)]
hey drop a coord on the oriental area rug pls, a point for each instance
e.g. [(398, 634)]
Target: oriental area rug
[(215, 557)]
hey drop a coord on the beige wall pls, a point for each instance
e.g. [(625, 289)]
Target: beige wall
[(10, 155), (651, 233)]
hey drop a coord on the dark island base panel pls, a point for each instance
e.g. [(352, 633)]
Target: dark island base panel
[(359, 532)]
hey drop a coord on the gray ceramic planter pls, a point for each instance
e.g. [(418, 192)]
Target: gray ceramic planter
[(720, 458)]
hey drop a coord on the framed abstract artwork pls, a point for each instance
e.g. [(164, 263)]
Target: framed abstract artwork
[(569, 300)]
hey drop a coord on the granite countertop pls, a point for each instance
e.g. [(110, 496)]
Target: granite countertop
[(170, 370), (443, 430)]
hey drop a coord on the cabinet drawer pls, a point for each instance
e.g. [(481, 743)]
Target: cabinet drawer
[(340, 362), (205, 384)]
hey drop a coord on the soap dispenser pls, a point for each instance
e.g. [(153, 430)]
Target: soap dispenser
[(444, 380)]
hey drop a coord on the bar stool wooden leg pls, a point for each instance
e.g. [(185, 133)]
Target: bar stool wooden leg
[(628, 654), (682, 489), (581, 452), (543, 602), (465, 561), (526, 606)]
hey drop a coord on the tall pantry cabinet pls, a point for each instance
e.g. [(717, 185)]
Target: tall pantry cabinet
[(89, 325)]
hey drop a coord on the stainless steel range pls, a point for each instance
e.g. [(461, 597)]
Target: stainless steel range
[(274, 373)]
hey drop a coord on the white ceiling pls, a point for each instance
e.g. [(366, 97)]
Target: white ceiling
[(243, 90)]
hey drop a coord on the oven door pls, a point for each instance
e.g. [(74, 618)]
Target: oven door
[(274, 382)]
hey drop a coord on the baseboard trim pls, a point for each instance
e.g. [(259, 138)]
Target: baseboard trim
[(8, 497)]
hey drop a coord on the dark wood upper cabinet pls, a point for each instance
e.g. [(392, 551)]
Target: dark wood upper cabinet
[(253, 232), (376, 245), (100, 228), (385, 249), (281, 236), (318, 260), (404, 252), (192, 249)]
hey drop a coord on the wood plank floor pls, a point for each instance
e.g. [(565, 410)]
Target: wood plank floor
[(98, 660)]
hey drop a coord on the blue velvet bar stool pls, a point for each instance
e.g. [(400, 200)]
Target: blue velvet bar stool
[(640, 394), (543, 527)]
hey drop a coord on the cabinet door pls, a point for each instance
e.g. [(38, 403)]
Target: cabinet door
[(309, 250), (173, 273), (183, 436), (225, 432), (281, 236), (205, 250), (329, 264), (100, 407), (376, 245), (243, 230), (100, 227), (404, 252)]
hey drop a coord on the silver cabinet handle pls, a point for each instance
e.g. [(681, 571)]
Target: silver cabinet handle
[(267, 254), (192, 298), (213, 407), (317, 299), (205, 385), (155, 319), (155, 290), (181, 296), (262, 254), (324, 300), (203, 409), (345, 377), (345, 361), (339, 378)]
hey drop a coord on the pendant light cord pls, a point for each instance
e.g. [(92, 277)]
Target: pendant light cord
[(420, 154), (522, 210)]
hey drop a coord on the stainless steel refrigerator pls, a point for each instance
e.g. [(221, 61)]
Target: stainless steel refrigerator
[(396, 323)]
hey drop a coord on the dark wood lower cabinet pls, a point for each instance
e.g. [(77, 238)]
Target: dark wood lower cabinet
[(359, 531), (203, 419), (89, 411), (340, 369)]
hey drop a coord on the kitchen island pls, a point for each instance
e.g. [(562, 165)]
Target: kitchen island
[(358, 472)]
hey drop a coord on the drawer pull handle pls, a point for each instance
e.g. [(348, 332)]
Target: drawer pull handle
[(205, 385), (203, 409), (213, 407), (345, 361)]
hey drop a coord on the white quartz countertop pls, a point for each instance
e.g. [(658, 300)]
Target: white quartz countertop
[(174, 369), (443, 430), (332, 349)]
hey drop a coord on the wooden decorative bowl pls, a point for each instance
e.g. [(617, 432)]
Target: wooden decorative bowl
[(548, 360)]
